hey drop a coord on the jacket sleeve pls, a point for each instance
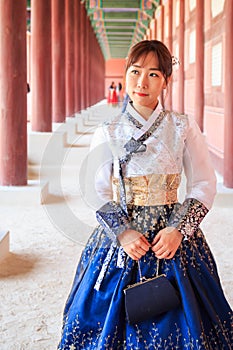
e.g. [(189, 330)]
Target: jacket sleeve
[(200, 183), (109, 214), (99, 169)]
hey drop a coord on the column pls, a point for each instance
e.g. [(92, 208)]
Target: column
[(199, 66), (41, 70), (228, 111), (13, 93), (160, 36), (69, 57), (58, 61), (155, 27), (77, 83), (181, 58), (98, 71), (148, 34), (160, 22), (88, 76), (169, 40), (82, 56), (152, 28), (92, 90), (101, 74)]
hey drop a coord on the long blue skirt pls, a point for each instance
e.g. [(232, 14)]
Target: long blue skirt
[(94, 315)]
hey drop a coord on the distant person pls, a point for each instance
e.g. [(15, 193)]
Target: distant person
[(112, 94), (119, 90)]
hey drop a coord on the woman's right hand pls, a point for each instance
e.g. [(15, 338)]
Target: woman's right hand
[(134, 243)]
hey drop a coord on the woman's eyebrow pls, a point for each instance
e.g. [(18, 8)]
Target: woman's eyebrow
[(137, 66)]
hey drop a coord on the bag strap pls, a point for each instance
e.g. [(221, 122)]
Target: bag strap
[(140, 271)]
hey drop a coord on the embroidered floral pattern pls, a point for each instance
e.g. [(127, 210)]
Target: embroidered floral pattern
[(76, 340), (188, 217), (111, 270)]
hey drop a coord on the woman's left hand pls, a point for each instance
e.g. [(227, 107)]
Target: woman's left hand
[(166, 243)]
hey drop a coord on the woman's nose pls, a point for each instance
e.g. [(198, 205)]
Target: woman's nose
[(142, 82)]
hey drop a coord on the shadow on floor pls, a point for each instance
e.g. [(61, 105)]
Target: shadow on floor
[(17, 264)]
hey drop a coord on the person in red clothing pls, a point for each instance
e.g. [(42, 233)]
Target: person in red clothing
[(112, 95)]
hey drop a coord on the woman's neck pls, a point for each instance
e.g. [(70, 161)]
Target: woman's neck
[(144, 111)]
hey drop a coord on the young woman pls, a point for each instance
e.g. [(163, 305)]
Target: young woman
[(158, 227), (112, 94)]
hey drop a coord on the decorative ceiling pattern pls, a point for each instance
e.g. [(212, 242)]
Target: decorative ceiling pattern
[(119, 24)]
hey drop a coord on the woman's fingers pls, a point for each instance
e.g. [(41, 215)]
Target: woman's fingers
[(166, 243), (156, 239), (165, 255), (138, 248), (131, 236)]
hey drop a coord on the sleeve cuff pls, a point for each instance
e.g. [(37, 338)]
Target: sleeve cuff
[(113, 219), (188, 217)]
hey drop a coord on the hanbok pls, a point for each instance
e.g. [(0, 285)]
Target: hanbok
[(112, 96), (94, 315)]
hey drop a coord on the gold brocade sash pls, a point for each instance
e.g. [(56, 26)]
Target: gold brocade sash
[(149, 190)]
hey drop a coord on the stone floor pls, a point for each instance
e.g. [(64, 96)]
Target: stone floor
[(46, 242)]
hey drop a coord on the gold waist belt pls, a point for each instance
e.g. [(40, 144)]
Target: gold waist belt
[(149, 190)]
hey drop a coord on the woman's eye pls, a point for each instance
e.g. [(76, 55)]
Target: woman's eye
[(134, 71), (154, 75)]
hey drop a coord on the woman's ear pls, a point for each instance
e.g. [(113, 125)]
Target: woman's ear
[(166, 82)]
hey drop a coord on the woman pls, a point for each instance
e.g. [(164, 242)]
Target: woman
[(158, 227), (112, 94)]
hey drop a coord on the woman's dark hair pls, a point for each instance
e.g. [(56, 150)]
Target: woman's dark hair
[(143, 48)]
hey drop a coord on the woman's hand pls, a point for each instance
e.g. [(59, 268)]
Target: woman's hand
[(134, 244), (166, 243)]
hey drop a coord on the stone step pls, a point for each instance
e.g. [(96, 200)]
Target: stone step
[(4, 244), (224, 196), (35, 192)]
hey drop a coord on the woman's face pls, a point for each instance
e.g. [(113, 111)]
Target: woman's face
[(144, 81)]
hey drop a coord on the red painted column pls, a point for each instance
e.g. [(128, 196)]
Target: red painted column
[(41, 70), (77, 50), (101, 75), (162, 23), (199, 66), (152, 28), (228, 111), (69, 61), (92, 91), (162, 96), (87, 63), (82, 56), (13, 93), (170, 33), (58, 61), (156, 27), (181, 58), (98, 71)]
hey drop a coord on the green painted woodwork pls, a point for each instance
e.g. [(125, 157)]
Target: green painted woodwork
[(119, 24)]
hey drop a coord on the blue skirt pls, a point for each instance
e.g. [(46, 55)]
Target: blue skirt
[(94, 315)]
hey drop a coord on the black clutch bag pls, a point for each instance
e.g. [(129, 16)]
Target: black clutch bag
[(149, 298), (113, 218)]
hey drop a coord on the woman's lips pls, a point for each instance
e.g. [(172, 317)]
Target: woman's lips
[(141, 94)]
